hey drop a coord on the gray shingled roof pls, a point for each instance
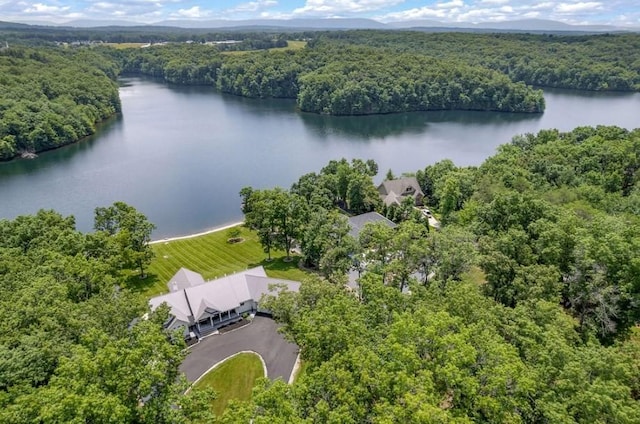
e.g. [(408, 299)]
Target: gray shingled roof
[(392, 191), (184, 278), (359, 221), (189, 303)]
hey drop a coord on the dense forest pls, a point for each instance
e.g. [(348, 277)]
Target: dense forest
[(522, 308), (605, 62), (72, 345), (52, 97)]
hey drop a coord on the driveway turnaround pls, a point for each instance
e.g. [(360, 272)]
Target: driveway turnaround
[(261, 336)]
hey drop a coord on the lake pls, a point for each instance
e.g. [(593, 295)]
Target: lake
[(180, 155)]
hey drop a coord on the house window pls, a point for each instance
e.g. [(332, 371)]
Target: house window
[(241, 303)]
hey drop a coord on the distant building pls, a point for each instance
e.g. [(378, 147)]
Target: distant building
[(395, 191), (201, 307)]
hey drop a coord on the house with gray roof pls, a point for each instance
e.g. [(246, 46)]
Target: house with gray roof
[(395, 191), (358, 222), (201, 307)]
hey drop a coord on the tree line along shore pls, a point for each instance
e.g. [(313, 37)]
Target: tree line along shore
[(56, 95)]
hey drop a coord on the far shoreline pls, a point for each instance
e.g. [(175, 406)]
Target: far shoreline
[(203, 233)]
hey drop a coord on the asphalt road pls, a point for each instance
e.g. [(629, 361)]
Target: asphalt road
[(260, 336)]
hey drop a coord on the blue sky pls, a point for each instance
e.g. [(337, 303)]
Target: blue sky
[(615, 12)]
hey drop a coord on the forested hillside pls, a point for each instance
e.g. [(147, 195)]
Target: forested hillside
[(522, 308), (52, 97), (72, 345), (604, 62)]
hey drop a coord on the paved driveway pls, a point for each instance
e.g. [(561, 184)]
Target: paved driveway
[(260, 336)]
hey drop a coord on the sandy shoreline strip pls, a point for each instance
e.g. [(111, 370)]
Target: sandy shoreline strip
[(213, 230)]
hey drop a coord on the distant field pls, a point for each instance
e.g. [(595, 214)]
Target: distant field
[(125, 45), (233, 380), (291, 45), (212, 256)]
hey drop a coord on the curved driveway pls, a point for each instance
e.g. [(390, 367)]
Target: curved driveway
[(261, 336)]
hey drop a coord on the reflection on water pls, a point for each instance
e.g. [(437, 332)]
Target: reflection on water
[(57, 157), (372, 127)]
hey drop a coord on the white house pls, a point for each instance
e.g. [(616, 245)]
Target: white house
[(201, 307)]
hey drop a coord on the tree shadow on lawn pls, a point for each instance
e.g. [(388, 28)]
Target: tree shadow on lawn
[(150, 284), (279, 267)]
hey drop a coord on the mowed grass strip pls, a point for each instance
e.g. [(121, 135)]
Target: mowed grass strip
[(291, 45), (121, 46), (232, 380), (212, 256)]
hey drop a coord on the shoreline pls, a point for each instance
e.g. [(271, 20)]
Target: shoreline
[(188, 236)]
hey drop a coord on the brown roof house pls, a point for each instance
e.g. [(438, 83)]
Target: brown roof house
[(395, 191), (200, 307)]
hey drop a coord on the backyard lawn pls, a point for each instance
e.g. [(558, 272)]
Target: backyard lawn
[(212, 256), (233, 379)]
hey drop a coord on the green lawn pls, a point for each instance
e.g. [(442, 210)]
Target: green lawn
[(233, 379), (291, 45), (121, 46), (212, 256)]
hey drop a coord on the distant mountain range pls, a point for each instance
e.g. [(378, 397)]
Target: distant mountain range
[(532, 25)]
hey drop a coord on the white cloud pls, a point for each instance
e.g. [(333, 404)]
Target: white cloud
[(494, 2), (41, 8), (578, 7), (450, 5), (541, 6), (105, 5), (345, 7), (253, 6), (192, 13), (477, 15), (416, 13)]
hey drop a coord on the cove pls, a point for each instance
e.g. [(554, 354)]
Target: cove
[(180, 155)]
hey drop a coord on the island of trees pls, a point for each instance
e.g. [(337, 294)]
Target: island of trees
[(523, 307), (57, 95)]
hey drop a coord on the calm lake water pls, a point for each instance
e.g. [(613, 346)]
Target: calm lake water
[(180, 155)]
